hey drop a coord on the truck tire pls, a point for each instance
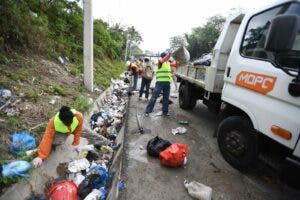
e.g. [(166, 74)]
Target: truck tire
[(186, 101), (238, 142)]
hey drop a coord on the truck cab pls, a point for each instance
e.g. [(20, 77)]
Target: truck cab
[(253, 84)]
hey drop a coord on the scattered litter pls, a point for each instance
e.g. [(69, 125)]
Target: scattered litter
[(174, 95), (77, 178), (63, 190), (183, 122), (179, 130), (4, 93), (121, 185), (54, 99), (106, 149), (78, 165), (63, 60), (88, 147), (94, 195), (174, 155), (30, 152), (141, 147), (198, 190), (12, 112), (93, 155), (16, 168), (156, 145), (21, 142)]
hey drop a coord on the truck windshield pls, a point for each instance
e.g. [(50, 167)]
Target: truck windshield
[(255, 36)]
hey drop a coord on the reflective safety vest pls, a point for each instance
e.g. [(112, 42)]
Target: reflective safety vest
[(164, 73), (60, 127)]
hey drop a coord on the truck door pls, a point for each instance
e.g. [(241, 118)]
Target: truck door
[(255, 85)]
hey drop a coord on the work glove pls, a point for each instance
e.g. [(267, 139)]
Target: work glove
[(37, 162), (75, 147)]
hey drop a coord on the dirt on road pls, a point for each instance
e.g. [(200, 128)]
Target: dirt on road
[(146, 179)]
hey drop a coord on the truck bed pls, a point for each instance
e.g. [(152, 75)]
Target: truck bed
[(193, 74)]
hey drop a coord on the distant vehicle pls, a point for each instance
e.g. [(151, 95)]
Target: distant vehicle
[(205, 60), (253, 83)]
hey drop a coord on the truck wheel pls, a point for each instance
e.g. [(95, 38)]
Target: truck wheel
[(238, 142), (186, 101)]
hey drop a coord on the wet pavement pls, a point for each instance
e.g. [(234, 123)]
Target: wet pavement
[(146, 179)]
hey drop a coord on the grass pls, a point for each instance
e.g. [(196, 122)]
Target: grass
[(82, 104), (20, 75), (76, 70), (60, 91), (14, 121)]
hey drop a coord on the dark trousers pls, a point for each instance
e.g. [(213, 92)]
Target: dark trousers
[(145, 83), (135, 80), (160, 86)]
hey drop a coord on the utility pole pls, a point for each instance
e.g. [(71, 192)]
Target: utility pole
[(88, 52), (126, 49)]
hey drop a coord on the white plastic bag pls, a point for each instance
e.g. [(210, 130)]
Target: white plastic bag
[(78, 165), (198, 190), (181, 55)]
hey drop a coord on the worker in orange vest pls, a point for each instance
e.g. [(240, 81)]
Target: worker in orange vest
[(60, 126)]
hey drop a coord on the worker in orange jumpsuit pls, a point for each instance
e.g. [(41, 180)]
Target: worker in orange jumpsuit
[(60, 126)]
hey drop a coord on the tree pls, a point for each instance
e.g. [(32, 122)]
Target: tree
[(178, 41), (203, 38)]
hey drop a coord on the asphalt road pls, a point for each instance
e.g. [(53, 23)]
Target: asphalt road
[(146, 179)]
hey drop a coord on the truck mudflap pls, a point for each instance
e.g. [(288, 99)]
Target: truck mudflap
[(290, 172)]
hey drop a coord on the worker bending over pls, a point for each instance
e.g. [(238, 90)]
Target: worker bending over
[(60, 126)]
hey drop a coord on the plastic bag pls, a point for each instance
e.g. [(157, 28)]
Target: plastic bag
[(16, 168), (174, 155), (78, 165), (63, 190), (156, 145), (181, 55), (198, 190), (21, 142)]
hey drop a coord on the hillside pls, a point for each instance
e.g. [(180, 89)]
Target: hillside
[(33, 35)]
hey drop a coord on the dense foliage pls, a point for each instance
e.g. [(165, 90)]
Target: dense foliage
[(202, 39), (55, 27)]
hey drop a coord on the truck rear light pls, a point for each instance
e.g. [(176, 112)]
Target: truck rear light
[(281, 132)]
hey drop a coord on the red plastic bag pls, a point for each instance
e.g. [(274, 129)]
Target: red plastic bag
[(174, 155), (64, 190)]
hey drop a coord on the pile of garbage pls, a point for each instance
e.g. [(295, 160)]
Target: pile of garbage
[(88, 177)]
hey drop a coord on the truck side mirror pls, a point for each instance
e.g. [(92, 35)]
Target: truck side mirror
[(282, 33)]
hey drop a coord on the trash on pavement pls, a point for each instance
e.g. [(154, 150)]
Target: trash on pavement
[(174, 155), (77, 178), (21, 142), (174, 95), (63, 190), (179, 130), (94, 195), (78, 165), (16, 168), (198, 190), (183, 122), (121, 185), (156, 145)]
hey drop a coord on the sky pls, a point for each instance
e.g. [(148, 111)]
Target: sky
[(158, 20)]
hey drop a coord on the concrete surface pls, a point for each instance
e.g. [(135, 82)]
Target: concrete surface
[(47, 172), (146, 179)]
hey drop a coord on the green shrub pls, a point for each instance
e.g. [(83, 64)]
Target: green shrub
[(60, 91), (82, 104)]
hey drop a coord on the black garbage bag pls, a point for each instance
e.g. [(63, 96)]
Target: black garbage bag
[(156, 145), (93, 155), (85, 187)]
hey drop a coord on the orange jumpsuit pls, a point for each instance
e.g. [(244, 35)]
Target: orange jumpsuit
[(44, 148)]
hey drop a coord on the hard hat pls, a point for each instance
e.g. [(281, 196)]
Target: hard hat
[(163, 54)]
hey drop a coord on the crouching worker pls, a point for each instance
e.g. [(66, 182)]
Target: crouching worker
[(64, 123)]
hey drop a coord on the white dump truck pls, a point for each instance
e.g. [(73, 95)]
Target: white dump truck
[(253, 83)]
